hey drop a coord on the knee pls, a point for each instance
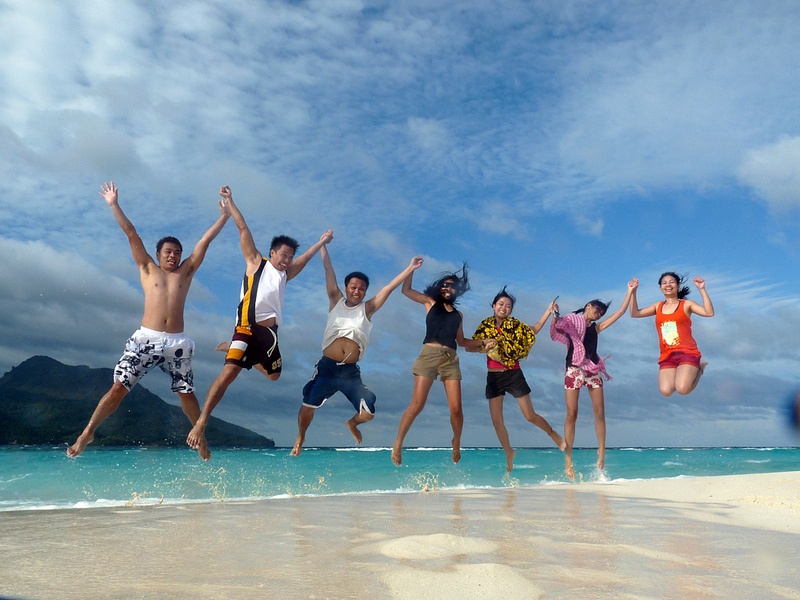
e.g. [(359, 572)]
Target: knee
[(365, 416), (666, 391), (683, 389), (572, 415), (273, 376)]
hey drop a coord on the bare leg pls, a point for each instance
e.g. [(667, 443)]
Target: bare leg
[(304, 418), (687, 377), (527, 411), (191, 408), (196, 437), (666, 382), (419, 396), (598, 404), (452, 388), (107, 405), (352, 424), (571, 398), (270, 376), (496, 412)]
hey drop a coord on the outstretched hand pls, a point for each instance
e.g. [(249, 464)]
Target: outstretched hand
[(224, 206), (109, 192)]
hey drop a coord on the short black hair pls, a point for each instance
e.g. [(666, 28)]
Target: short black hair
[(504, 294), (357, 275), (283, 240), (171, 240)]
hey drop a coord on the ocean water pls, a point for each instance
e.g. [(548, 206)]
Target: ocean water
[(37, 478)]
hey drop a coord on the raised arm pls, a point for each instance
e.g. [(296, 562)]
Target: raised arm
[(537, 327), (195, 259), (251, 254), (380, 298), (416, 296), (299, 263), (111, 195), (636, 312), (331, 286), (707, 309), (609, 321)]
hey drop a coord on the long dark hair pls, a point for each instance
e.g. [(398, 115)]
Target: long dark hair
[(460, 279), (683, 290), (602, 306)]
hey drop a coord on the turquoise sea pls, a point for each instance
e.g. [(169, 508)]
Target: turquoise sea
[(45, 478)]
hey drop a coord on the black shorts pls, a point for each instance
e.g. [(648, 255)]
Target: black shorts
[(255, 346), (512, 381)]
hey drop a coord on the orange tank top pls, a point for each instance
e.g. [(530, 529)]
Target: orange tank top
[(674, 332)]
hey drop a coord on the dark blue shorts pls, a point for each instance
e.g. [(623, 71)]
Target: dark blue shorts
[(331, 377)]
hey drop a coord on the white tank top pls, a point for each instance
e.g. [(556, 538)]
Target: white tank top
[(351, 323), (264, 293)]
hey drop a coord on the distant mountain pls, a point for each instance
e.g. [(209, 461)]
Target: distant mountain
[(43, 401)]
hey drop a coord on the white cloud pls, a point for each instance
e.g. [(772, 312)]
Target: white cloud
[(773, 171)]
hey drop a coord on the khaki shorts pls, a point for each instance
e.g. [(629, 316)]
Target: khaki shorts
[(434, 361)]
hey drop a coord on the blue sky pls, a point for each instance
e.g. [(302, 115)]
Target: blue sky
[(559, 148)]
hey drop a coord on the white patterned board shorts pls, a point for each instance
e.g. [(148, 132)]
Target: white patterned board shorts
[(146, 348)]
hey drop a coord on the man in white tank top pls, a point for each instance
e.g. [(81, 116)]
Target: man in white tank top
[(344, 344)]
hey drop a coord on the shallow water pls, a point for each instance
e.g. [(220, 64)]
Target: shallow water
[(44, 478)]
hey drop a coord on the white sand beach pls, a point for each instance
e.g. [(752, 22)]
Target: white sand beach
[(705, 537)]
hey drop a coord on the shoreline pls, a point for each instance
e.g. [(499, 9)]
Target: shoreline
[(715, 537)]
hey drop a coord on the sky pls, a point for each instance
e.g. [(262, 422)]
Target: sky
[(561, 148)]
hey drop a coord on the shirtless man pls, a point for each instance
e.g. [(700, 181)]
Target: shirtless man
[(343, 345), (160, 340), (255, 339)]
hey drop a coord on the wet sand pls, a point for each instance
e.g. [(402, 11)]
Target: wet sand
[(705, 537)]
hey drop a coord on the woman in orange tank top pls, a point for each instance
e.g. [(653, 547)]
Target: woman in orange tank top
[(680, 367)]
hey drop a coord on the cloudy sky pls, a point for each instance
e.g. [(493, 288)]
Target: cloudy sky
[(559, 148)]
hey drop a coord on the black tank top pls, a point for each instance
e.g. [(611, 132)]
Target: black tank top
[(441, 325), (589, 344)]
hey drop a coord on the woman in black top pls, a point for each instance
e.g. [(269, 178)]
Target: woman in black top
[(443, 333)]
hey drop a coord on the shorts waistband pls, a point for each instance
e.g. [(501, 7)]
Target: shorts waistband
[(164, 334)]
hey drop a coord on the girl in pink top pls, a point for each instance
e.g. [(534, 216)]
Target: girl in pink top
[(679, 362)]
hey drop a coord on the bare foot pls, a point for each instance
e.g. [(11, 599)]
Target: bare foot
[(703, 366), (560, 441), (203, 450), (353, 427), (83, 440), (223, 347), (397, 455), (196, 437), (456, 452), (298, 445), (569, 468), (510, 460)]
